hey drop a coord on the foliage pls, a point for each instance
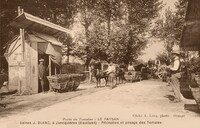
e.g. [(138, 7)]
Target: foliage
[(163, 58), (194, 64), (116, 29), (169, 27)]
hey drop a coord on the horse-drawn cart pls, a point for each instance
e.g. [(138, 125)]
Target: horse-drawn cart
[(133, 76), (64, 82)]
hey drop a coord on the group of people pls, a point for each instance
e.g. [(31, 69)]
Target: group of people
[(117, 69), (173, 80)]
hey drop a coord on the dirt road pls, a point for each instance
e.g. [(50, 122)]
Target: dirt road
[(143, 104)]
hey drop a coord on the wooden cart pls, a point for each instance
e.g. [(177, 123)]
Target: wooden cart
[(64, 82), (133, 76)]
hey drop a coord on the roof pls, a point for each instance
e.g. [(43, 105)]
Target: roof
[(190, 40), (30, 22)]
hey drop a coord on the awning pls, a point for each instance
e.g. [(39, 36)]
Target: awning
[(48, 45), (52, 50), (190, 40), (30, 22)]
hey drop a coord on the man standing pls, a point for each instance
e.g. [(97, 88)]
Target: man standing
[(175, 76), (42, 74)]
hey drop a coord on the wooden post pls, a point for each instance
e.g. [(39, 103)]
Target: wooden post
[(55, 70), (68, 52), (90, 74), (49, 66), (20, 11)]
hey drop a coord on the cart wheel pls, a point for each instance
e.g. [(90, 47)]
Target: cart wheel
[(66, 87), (131, 80), (76, 84), (71, 85)]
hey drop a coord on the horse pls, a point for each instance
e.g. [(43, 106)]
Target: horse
[(99, 74), (119, 75), (106, 75), (114, 72)]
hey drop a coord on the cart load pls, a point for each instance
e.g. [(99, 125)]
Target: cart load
[(133, 76), (64, 82)]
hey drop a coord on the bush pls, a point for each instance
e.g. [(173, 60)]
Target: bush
[(72, 68)]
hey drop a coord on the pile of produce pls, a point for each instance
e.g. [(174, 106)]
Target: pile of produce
[(65, 82)]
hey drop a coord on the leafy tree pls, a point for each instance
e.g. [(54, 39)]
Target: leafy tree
[(139, 15), (169, 28), (117, 32), (163, 58)]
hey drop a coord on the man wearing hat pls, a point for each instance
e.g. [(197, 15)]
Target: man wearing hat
[(42, 74), (175, 75)]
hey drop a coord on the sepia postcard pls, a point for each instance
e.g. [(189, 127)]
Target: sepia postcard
[(99, 64)]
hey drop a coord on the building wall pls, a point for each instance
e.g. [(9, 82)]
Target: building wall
[(23, 69), (31, 62), (16, 67)]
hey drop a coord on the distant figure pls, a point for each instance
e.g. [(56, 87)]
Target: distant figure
[(42, 74), (111, 72), (111, 68), (91, 68), (131, 67), (4, 79), (97, 65)]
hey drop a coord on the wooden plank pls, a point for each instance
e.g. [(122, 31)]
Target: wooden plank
[(49, 66), (33, 67)]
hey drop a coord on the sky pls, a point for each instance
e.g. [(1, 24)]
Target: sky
[(170, 3), (155, 46)]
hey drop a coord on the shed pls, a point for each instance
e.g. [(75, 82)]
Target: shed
[(190, 40), (38, 39)]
